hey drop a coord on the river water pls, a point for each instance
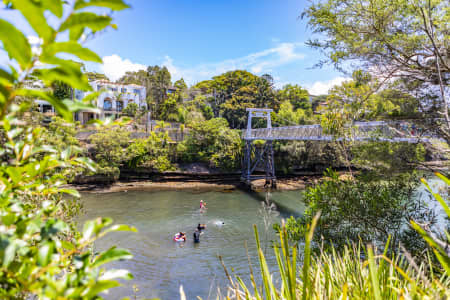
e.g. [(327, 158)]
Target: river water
[(161, 265)]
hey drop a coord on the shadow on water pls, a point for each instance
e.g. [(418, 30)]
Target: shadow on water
[(262, 196)]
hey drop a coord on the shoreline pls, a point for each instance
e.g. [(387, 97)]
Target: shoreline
[(283, 184), (205, 181)]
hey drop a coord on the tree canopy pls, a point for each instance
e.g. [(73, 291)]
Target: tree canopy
[(400, 41)]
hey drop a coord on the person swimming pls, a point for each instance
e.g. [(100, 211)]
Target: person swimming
[(181, 236), (202, 204), (201, 227)]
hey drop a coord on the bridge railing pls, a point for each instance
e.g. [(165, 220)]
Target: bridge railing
[(358, 131)]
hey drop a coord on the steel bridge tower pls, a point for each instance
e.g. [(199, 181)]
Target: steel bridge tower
[(258, 155)]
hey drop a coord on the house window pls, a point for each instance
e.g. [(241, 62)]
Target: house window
[(136, 91), (99, 87), (107, 104), (119, 105), (123, 90), (47, 108)]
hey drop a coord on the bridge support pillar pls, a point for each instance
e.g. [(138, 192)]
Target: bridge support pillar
[(258, 158)]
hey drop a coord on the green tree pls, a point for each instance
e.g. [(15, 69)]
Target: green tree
[(61, 90), (214, 142), (237, 90), (181, 85), (42, 254), (96, 76), (131, 109), (354, 210), (405, 40), (156, 80), (110, 150), (152, 152), (288, 116), (169, 108), (296, 95)]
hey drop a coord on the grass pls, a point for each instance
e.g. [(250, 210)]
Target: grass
[(358, 272)]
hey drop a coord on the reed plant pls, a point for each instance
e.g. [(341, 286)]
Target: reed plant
[(358, 272)]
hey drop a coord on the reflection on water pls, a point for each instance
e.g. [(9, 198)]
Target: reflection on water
[(161, 265)]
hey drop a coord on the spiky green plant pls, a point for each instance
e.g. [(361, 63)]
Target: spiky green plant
[(359, 272)]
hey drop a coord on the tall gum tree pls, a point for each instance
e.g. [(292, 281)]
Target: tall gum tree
[(401, 41)]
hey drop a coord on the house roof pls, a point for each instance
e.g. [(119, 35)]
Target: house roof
[(118, 84)]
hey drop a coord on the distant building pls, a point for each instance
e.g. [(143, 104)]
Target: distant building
[(171, 90), (113, 100)]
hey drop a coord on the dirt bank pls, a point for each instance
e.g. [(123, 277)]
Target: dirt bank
[(200, 186)]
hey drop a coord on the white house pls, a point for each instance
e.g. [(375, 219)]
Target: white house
[(113, 100)]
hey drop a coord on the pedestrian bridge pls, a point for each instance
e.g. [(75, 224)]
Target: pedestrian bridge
[(262, 156)]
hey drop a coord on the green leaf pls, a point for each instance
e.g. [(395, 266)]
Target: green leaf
[(75, 33), (14, 132), (112, 4), (442, 177), (55, 6), (88, 229), (10, 253), (99, 286), (115, 274), (111, 255), (71, 192), (74, 48), (86, 19), (60, 107), (121, 227), (33, 12), (44, 254), (75, 106), (7, 77), (87, 163), (92, 96), (67, 71), (373, 274), (9, 219), (17, 46), (67, 245)]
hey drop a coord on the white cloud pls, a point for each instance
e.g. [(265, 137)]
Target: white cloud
[(322, 87), (259, 63), (115, 67)]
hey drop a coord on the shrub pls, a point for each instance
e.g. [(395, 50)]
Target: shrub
[(110, 150), (214, 142), (356, 210), (42, 255), (152, 152), (347, 274)]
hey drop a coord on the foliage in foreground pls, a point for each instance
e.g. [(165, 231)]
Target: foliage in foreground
[(358, 272), (42, 255), (358, 210)]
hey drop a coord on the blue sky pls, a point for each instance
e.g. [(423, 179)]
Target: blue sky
[(197, 39)]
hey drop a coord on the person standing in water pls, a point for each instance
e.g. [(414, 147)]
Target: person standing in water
[(196, 236)]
